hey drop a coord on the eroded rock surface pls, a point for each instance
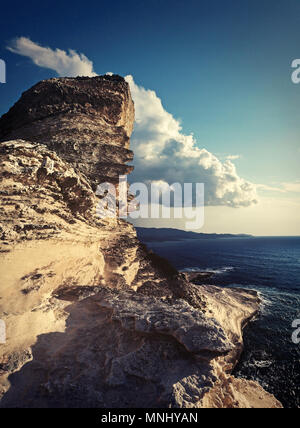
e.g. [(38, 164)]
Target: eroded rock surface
[(87, 122), (93, 318)]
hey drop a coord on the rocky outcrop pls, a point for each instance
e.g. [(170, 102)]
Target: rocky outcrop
[(86, 122), (93, 318)]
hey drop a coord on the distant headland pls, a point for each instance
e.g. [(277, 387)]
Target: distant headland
[(168, 234)]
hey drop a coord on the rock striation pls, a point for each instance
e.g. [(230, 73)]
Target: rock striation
[(93, 318), (86, 122)]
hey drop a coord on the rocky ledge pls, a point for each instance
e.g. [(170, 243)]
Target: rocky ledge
[(93, 318)]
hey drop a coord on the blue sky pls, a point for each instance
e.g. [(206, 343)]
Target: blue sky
[(223, 68)]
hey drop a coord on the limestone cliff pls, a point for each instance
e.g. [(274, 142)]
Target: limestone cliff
[(94, 319), (86, 122)]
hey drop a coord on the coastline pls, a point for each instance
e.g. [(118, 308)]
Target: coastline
[(234, 308), (94, 319), (270, 267), (240, 307)]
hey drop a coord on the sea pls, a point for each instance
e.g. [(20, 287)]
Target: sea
[(270, 265)]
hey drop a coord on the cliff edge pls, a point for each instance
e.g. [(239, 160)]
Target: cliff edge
[(93, 319)]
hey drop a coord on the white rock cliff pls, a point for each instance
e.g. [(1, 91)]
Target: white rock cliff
[(93, 319)]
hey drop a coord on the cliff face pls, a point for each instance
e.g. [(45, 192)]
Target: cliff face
[(92, 318), (86, 122)]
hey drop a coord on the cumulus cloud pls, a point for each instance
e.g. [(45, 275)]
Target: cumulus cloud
[(164, 153), (70, 64)]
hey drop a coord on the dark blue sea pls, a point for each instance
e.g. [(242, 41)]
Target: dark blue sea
[(272, 267)]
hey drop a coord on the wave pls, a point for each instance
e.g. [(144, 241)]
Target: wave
[(215, 271), (262, 364)]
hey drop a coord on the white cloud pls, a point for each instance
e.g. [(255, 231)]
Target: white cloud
[(268, 188), (233, 157), (292, 187), (163, 152), (70, 64)]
